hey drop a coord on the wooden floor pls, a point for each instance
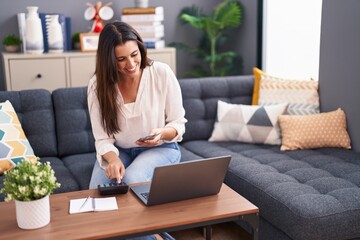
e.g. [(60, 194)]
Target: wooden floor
[(223, 231)]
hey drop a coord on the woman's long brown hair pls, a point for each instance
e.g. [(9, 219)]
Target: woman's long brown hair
[(107, 74)]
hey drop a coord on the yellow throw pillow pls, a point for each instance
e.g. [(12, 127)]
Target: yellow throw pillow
[(314, 131), (14, 146), (301, 96), (257, 77)]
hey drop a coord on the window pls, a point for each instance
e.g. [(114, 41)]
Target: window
[(291, 38)]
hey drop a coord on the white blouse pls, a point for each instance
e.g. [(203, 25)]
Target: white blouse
[(158, 104)]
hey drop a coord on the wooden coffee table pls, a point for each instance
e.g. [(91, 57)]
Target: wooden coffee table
[(132, 219)]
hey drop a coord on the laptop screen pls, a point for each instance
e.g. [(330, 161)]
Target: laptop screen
[(184, 180)]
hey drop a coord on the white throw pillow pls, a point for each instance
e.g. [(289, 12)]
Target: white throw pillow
[(248, 123)]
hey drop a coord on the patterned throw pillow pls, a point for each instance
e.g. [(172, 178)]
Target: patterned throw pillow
[(314, 131), (14, 146), (301, 95), (246, 123)]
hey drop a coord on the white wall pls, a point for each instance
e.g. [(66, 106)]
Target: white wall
[(291, 38)]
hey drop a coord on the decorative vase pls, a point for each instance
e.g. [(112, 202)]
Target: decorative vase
[(141, 3), (55, 37), (33, 31), (33, 214)]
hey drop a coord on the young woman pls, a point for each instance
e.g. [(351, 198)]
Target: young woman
[(130, 97)]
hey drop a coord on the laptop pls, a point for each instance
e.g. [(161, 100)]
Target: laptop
[(184, 180)]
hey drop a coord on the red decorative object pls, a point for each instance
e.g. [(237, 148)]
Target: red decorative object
[(97, 13)]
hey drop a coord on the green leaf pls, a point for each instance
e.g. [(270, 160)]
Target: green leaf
[(29, 181), (192, 11), (11, 39), (212, 28), (228, 14), (192, 20)]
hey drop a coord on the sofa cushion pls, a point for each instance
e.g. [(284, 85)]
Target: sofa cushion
[(246, 123), (314, 131), (81, 167), (200, 96), (62, 174), (187, 155), (73, 124), (301, 95), (35, 111), (308, 194), (14, 146)]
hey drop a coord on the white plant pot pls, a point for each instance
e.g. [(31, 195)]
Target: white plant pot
[(33, 214), (12, 48), (77, 46)]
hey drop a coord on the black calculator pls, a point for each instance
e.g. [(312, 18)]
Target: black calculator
[(113, 188)]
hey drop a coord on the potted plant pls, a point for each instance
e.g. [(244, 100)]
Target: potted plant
[(225, 15), (75, 39), (11, 43), (30, 185)]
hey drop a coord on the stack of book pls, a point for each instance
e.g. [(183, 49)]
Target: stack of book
[(149, 24)]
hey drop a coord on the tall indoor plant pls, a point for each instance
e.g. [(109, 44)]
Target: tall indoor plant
[(225, 15), (30, 185)]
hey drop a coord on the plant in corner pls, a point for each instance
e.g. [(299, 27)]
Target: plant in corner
[(11, 43), (225, 15), (30, 185)]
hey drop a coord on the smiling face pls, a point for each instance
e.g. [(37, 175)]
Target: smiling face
[(128, 59)]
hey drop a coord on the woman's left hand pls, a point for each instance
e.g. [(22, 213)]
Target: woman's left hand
[(153, 139)]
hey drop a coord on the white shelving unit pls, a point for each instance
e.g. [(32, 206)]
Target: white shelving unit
[(60, 70)]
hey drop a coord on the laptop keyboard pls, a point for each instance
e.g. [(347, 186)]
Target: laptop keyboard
[(145, 195)]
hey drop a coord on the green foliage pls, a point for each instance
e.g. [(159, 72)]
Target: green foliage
[(29, 181), (11, 39), (75, 37), (225, 15)]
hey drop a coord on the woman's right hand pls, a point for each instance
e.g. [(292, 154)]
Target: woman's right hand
[(115, 169)]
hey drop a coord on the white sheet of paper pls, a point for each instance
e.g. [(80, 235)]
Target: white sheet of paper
[(93, 204), (105, 204)]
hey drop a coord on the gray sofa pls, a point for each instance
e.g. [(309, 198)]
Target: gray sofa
[(304, 194)]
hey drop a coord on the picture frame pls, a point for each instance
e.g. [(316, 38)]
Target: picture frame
[(89, 42)]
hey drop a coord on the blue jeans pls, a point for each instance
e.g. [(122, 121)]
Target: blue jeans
[(139, 163)]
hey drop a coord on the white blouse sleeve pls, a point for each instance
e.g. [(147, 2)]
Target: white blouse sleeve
[(174, 110), (103, 142)]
